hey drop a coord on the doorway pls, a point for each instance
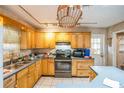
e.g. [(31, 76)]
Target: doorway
[(98, 49), (118, 49)]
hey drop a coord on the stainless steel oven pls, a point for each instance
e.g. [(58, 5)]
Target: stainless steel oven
[(63, 67)]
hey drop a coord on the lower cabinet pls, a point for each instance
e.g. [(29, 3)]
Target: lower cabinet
[(74, 68), (44, 67), (51, 68), (22, 79), (31, 76), (81, 67), (48, 66), (27, 77), (92, 75), (10, 82), (38, 70)]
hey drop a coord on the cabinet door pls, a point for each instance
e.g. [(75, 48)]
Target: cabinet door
[(39, 39), (80, 41), (51, 67), (29, 39), (49, 40), (74, 68), (67, 37), (23, 38), (44, 67), (31, 80), (39, 68), (36, 73), (31, 76), (87, 40), (32, 39), (74, 41), (59, 37), (22, 81)]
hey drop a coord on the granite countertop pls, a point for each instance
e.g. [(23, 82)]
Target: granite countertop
[(110, 72), (82, 58), (13, 71)]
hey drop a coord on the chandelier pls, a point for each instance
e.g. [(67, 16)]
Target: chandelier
[(68, 16)]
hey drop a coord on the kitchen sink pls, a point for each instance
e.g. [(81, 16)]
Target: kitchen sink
[(14, 66)]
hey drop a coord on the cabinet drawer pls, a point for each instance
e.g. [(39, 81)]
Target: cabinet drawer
[(83, 72), (10, 82), (81, 65), (21, 73)]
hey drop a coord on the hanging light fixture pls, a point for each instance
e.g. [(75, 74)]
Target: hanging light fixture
[(68, 15)]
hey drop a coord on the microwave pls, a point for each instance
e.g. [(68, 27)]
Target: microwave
[(78, 53)]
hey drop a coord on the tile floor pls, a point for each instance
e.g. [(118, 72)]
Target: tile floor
[(51, 82)]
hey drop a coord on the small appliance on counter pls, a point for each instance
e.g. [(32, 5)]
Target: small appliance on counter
[(81, 52)]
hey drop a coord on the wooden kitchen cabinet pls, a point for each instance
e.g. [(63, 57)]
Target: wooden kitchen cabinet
[(80, 41), (32, 38), (63, 37), (38, 69), (48, 66), (49, 40), (74, 40), (81, 67), (44, 67), (86, 40), (22, 79), (31, 76), (27, 77), (39, 40), (51, 67), (74, 68), (23, 40), (10, 82), (29, 39), (92, 75)]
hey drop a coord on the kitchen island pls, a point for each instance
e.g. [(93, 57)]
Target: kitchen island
[(102, 72)]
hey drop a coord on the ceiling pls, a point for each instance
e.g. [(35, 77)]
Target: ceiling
[(93, 16)]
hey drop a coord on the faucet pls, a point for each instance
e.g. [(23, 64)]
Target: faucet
[(11, 58)]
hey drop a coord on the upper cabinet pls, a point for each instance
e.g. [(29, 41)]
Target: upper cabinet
[(81, 40), (63, 37), (44, 40), (27, 38), (48, 40), (86, 40), (23, 40), (39, 40)]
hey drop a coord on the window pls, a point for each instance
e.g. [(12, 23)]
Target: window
[(95, 44), (11, 42)]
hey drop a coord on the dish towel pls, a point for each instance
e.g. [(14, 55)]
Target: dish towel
[(111, 83)]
